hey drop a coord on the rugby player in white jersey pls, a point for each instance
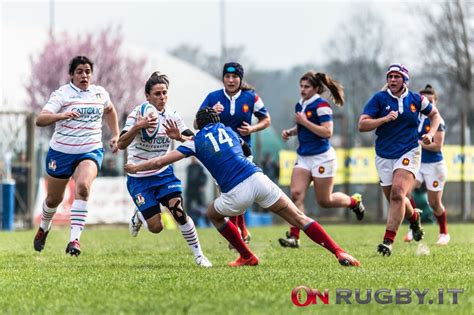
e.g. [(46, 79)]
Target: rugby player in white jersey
[(149, 189), (76, 149)]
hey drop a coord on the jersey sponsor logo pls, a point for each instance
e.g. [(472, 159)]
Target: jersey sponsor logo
[(435, 183), (412, 108), (245, 108), (387, 108), (139, 199), (321, 169), (309, 114), (52, 165), (174, 186), (406, 161)]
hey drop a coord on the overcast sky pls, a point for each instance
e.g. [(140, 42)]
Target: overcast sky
[(275, 34)]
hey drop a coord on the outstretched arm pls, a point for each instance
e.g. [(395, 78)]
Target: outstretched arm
[(155, 163)]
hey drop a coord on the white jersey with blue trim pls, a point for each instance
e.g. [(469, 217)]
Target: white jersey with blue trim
[(219, 149), (141, 150), (398, 136), (82, 134)]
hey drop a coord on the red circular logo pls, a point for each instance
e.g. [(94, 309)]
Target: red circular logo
[(309, 114), (245, 108), (321, 169), (413, 108), (405, 161), (435, 183)]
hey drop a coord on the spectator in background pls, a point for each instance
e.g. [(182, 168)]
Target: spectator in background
[(270, 168), (196, 180), (20, 175), (110, 168)]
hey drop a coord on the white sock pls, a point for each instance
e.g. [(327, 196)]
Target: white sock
[(47, 216), (190, 235), (141, 218), (78, 218)]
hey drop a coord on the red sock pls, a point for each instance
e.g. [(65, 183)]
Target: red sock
[(235, 220), (319, 236), (390, 235), (242, 226), (413, 217), (353, 203), (295, 232), (231, 233), (412, 202), (443, 223)]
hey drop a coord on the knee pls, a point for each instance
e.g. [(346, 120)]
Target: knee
[(155, 227), (397, 194), (324, 202), (437, 207), (53, 202), (82, 190)]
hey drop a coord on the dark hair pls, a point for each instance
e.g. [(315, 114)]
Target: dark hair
[(233, 67), (237, 69), (429, 90), (206, 116), (156, 78), (79, 60), (321, 80)]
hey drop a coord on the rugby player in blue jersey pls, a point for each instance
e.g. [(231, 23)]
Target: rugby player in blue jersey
[(242, 183), (394, 114), (316, 160), (433, 170), (236, 103)]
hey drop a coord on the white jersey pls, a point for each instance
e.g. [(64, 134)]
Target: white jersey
[(82, 134), (141, 150)]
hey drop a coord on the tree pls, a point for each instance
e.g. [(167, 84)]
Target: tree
[(357, 60), (449, 44), (121, 75)]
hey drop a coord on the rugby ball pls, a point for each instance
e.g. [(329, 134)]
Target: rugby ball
[(149, 110)]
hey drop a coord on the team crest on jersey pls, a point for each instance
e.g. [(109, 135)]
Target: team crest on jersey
[(435, 183), (245, 108), (139, 200), (98, 96), (405, 161), (427, 128), (52, 165), (321, 169), (412, 108), (309, 114)]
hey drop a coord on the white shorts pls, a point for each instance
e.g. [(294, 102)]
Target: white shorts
[(433, 174), (321, 165), (409, 161), (257, 188)]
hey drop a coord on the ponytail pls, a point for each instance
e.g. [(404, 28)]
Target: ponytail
[(320, 81)]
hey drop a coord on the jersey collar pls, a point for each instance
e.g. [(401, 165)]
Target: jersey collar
[(309, 101), (232, 97), (75, 88), (404, 94)]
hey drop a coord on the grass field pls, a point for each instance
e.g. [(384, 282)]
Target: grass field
[(155, 274)]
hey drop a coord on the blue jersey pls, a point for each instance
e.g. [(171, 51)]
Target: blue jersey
[(398, 136), (428, 156), (318, 111), (237, 109), (219, 150)]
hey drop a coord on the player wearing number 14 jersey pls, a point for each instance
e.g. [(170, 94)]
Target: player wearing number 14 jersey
[(219, 149)]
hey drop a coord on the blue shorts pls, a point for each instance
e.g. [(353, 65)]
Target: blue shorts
[(150, 191), (62, 165)]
